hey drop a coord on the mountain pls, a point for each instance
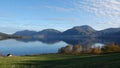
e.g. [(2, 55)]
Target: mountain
[(117, 33), (25, 33), (5, 36), (52, 33), (40, 34), (79, 30), (75, 32), (110, 32), (49, 32)]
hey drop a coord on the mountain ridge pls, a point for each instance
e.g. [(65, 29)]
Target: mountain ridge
[(84, 30)]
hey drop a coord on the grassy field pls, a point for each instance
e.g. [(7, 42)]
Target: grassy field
[(62, 61)]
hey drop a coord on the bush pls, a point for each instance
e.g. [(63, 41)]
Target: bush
[(109, 48), (76, 49), (66, 50), (95, 50)]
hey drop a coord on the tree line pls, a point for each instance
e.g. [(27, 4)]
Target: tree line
[(79, 49)]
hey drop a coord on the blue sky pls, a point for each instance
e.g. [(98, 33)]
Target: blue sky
[(37, 15)]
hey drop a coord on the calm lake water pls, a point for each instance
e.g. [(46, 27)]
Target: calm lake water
[(28, 48), (19, 47)]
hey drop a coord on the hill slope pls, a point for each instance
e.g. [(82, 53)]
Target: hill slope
[(79, 30)]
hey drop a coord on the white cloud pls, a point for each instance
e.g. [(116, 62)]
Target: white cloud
[(60, 19), (111, 23), (108, 8), (62, 9)]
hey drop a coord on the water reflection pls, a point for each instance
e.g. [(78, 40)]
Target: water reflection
[(48, 45), (14, 47), (72, 41)]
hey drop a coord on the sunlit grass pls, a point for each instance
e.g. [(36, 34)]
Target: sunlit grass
[(62, 61)]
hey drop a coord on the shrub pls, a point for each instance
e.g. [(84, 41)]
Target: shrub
[(109, 48), (66, 50), (76, 49), (95, 50)]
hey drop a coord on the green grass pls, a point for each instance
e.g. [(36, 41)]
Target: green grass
[(62, 61)]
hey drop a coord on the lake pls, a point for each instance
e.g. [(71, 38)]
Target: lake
[(31, 47)]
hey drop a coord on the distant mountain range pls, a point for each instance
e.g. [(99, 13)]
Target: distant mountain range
[(7, 36), (3, 35), (108, 33), (75, 32), (78, 30)]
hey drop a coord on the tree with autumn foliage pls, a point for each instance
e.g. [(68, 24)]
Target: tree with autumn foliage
[(109, 48)]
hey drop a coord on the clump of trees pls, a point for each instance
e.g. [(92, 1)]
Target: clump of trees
[(66, 50), (78, 49), (110, 48), (71, 49), (95, 50)]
